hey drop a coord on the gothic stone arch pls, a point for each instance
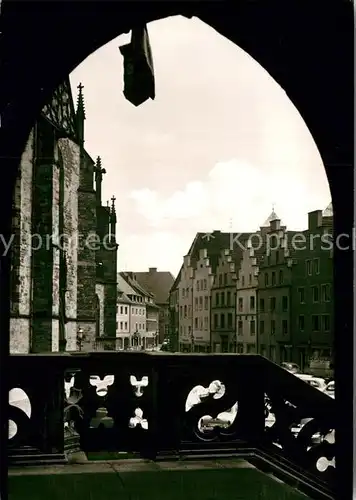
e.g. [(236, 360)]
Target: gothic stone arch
[(307, 47)]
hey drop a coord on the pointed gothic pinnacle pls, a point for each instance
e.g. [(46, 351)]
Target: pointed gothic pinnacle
[(98, 163), (80, 102), (113, 199)]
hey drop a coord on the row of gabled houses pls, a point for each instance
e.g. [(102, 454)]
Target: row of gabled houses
[(142, 318), (267, 292)]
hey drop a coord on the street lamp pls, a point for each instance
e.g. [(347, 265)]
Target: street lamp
[(135, 336), (80, 338), (192, 341)]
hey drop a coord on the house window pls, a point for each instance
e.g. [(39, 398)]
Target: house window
[(206, 322), (262, 327), (252, 303), (325, 292), (284, 303), (216, 321), (222, 320), (228, 298), (198, 287), (181, 311), (206, 303), (273, 327), (301, 323), (187, 293), (240, 328), (121, 310), (241, 304), (217, 296), (200, 303), (196, 323), (315, 291), (308, 267), (272, 301), (205, 284), (229, 320), (250, 279), (317, 266), (196, 303), (252, 327), (315, 323), (326, 323), (183, 293), (225, 278), (281, 277), (262, 305), (284, 326), (222, 298), (301, 293), (273, 278), (126, 310), (185, 311), (243, 280), (125, 325), (121, 325), (266, 279), (220, 279)]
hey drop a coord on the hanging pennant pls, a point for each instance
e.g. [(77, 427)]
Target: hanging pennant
[(139, 81)]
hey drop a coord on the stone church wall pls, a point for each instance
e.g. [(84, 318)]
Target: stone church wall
[(19, 322)]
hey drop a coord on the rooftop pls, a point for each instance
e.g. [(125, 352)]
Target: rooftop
[(272, 216), (328, 212), (158, 283)]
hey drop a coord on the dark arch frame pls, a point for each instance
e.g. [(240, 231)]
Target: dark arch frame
[(307, 47)]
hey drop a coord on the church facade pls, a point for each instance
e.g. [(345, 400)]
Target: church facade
[(63, 246)]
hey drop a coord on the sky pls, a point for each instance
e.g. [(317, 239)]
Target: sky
[(217, 148)]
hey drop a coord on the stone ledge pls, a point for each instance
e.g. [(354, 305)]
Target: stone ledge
[(130, 465)]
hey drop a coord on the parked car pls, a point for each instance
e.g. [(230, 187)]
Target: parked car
[(290, 367), (330, 389), (317, 382)]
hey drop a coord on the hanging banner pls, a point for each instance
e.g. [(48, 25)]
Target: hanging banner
[(139, 80)]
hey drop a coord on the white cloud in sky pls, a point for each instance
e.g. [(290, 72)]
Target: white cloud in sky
[(232, 189)]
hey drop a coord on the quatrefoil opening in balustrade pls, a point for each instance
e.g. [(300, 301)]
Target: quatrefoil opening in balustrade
[(138, 420), (18, 399), (102, 384), (199, 393), (224, 420), (68, 387), (323, 464), (101, 419), (138, 385), (207, 423)]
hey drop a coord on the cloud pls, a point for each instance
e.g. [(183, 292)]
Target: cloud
[(192, 201), (234, 190)]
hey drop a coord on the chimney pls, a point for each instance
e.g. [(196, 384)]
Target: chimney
[(275, 225), (152, 270), (315, 219)]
